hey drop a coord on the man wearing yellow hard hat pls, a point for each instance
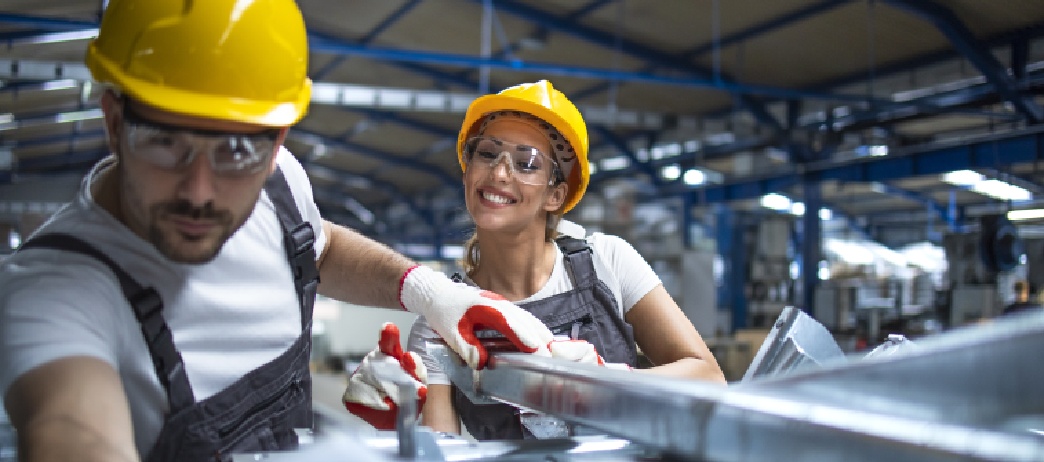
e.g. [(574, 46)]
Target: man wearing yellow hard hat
[(523, 153), (165, 314)]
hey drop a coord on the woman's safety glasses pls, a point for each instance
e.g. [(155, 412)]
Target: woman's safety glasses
[(170, 147), (527, 164)]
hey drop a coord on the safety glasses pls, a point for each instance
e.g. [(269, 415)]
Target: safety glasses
[(171, 147), (526, 163)]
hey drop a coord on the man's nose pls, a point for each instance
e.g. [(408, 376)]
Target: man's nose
[(199, 182)]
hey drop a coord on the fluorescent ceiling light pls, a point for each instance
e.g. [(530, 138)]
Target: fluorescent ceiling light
[(59, 37), (77, 116), (695, 177), (395, 98), (963, 177), (671, 172), (615, 163), (996, 189), (775, 202), (1001, 190), (63, 84), (326, 93), (1031, 214), (797, 208), (825, 214), (358, 96)]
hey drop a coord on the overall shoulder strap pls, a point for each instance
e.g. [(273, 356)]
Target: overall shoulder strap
[(298, 240), (578, 258), (148, 309)]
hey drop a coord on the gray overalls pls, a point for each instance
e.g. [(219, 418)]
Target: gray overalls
[(588, 312), (258, 412)]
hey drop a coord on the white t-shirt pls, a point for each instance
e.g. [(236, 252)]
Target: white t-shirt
[(228, 316), (617, 264)]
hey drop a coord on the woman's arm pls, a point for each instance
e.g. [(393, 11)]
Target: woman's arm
[(438, 412), (669, 339)]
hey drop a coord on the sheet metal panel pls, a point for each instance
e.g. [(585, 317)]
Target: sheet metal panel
[(971, 394)]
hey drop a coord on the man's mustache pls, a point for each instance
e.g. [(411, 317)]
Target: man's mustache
[(186, 209)]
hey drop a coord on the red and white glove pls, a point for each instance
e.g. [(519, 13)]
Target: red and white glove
[(456, 310), (375, 400), (581, 351)]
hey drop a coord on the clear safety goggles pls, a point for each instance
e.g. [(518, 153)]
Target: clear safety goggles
[(171, 147), (526, 163)]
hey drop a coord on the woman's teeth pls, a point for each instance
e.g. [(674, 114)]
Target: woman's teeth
[(495, 198)]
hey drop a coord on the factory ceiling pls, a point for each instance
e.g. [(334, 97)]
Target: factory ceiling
[(870, 101)]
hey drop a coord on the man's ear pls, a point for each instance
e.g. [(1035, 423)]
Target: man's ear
[(556, 197), (112, 111)]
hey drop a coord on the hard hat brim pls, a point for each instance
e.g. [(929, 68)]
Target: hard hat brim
[(263, 113)]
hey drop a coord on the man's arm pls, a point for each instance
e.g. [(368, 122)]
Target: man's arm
[(356, 269), (71, 409)]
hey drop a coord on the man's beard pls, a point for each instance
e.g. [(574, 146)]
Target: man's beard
[(183, 248)]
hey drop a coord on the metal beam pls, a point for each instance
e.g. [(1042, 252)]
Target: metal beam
[(461, 60), (767, 26), (394, 17), (655, 57), (886, 406), (53, 24), (965, 41), (915, 196), (985, 152), (386, 157)]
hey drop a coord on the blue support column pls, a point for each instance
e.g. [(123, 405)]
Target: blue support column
[(811, 244)]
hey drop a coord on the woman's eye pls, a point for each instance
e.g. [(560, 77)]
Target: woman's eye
[(488, 155)]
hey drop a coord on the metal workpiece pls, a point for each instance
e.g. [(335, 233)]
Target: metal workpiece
[(971, 394), (795, 342)]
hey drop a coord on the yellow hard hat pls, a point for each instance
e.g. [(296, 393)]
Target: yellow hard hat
[(539, 99), (238, 60)]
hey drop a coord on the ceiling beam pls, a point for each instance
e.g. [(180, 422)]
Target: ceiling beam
[(965, 41), (370, 36), (994, 151)]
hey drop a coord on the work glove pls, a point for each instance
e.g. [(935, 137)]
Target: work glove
[(376, 399), (581, 351), (456, 310)]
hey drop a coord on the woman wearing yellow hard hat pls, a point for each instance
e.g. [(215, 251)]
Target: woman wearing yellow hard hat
[(523, 153)]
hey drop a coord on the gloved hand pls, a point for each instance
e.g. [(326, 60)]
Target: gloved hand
[(456, 310), (374, 400), (581, 351)]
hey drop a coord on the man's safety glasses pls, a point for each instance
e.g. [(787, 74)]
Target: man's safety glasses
[(527, 164), (171, 147)]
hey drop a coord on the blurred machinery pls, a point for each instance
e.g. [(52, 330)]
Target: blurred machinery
[(977, 260), (769, 282)]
